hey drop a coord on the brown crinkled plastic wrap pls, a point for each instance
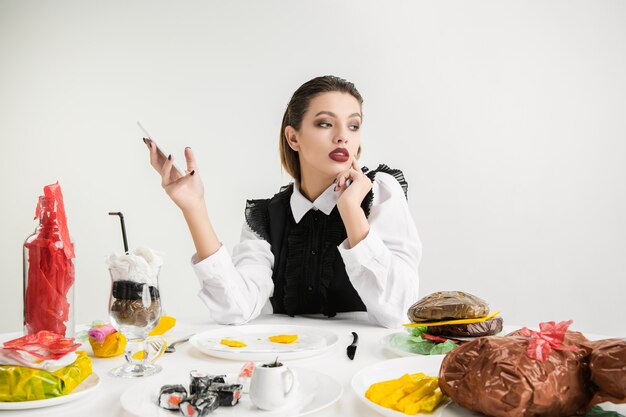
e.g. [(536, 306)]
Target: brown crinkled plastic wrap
[(608, 370), (448, 305), (483, 328), (495, 376)]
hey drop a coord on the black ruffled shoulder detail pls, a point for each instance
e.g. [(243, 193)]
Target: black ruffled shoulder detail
[(257, 215), (396, 173), (257, 218)]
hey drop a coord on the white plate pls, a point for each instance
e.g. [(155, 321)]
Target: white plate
[(316, 391), (392, 369), (395, 368), (88, 385), (311, 341)]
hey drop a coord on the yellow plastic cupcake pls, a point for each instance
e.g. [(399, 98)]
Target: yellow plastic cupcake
[(105, 341)]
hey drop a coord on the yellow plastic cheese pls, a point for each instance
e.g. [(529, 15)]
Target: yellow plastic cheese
[(455, 321)]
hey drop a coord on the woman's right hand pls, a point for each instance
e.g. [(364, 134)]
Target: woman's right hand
[(187, 192)]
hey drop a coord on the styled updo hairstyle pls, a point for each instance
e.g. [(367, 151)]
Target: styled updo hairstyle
[(298, 106)]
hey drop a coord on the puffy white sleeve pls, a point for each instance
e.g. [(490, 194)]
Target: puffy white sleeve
[(383, 267), (237, 288)]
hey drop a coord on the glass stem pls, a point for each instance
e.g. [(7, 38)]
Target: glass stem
[(135, 351)]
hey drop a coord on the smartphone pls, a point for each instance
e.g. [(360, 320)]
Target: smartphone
[(162, 152)]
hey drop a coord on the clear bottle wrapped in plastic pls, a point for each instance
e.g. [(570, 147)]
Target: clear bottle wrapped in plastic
[(49, 269)]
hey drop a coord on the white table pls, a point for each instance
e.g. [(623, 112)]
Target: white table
[(105, 400)]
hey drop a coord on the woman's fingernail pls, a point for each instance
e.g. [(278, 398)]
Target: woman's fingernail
[(192, 172), (169, 158), (188, 147)]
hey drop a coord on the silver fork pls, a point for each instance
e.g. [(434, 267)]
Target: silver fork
[(171, 348)]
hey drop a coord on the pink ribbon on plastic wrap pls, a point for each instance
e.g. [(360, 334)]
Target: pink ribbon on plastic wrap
[(550, 336)]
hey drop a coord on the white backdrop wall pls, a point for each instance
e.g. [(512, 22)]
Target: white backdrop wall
[(507, 119)]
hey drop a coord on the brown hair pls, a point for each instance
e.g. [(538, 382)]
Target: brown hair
[(298, 106)]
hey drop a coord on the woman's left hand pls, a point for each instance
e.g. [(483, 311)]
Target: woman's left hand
[(360, 185)]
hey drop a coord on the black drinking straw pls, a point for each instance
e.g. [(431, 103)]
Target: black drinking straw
[(117, 213)]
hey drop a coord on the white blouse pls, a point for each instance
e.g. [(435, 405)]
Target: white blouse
[(382, 267)]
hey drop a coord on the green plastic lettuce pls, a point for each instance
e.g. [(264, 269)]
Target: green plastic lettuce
[(18, 383), (414, 343), (598, 411)]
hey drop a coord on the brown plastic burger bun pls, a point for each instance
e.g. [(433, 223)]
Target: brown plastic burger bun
[(445, 305), (484, 328)]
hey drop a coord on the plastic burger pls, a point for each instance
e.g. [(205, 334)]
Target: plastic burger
[(444, 320)]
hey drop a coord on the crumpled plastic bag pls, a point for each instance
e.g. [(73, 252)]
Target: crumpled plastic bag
[(18, 383), (545, 373)]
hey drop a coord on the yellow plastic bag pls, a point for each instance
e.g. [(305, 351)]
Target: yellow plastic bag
[(18, 383)]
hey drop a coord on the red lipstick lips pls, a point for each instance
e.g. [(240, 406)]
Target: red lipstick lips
[(339, 155)]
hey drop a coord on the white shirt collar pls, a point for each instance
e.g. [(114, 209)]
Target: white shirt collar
[(300, 205)]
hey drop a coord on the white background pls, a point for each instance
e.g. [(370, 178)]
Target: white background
[(507, 118)]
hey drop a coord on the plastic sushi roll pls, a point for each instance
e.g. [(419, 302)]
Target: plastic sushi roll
[(245, 376), (199, 407), (171, 396), (228, 394), (207, 402), (198, 382), (218, 379)]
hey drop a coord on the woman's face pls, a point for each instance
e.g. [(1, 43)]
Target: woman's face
[(329, 136)]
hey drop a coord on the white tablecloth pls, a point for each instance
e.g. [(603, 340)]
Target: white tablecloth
[(105, 401)]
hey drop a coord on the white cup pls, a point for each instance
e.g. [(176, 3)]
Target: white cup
[(271, 387)]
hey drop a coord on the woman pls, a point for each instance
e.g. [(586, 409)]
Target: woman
[(337, 239)]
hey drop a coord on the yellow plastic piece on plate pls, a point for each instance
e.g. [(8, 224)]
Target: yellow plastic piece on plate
[(410, 394), (428, 404), (233, 343), (18, 383), (112, 345), (166, 323), (455, 321), (284, 338)]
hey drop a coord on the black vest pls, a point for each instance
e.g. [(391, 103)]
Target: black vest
[(309, 274)]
